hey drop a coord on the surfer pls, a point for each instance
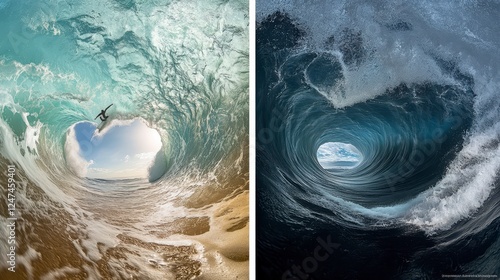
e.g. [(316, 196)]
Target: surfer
[(102, 115)]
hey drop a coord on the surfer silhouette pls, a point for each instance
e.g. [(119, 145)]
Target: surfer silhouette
[(102, 114)]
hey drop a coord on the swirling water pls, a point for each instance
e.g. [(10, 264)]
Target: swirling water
[(378, 132), (181, 67)]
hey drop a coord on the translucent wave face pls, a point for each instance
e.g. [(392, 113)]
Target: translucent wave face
[(338, 155)]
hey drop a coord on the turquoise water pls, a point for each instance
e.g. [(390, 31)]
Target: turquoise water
[(63, 63), (181, 67)]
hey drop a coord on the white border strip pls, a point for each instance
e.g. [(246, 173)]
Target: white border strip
[(252, 147)]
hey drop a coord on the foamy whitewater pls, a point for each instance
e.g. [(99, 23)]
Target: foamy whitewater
[(378, 129), (181, 67)]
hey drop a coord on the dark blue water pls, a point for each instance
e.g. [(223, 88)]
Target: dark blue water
[(423, 200)]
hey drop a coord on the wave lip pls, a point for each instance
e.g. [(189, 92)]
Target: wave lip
[(72, 153)]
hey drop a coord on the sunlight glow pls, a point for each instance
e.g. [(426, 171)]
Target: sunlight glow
[(125, 149)]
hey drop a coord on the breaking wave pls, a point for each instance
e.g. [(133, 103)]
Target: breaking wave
[(181, 68), (378, 125)]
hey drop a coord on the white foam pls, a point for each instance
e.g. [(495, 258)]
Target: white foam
[(31, 134), (59, 273), (469, 181), (406, 64), (41, 71), (26, 259), (390, 58), (5, 98), (27, 162), (72, 153), (471, 177), (98, 232)]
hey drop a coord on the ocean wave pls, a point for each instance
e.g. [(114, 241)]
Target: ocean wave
[(412, 100), (162, 64)]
